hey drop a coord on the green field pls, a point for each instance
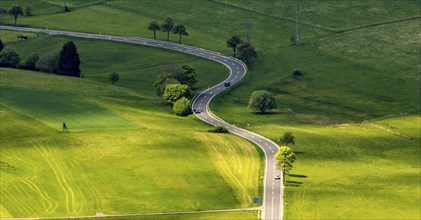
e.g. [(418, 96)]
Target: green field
[(118, 156), (355, 111)]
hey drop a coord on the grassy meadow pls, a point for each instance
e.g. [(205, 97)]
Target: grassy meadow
[(354, 112), (122, 153)]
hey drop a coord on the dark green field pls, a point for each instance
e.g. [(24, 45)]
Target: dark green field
[(354, 112)]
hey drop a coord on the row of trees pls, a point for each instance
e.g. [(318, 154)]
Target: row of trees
[(66, 62), (175, 87), (168, 26), (15, 12), (246, 50)]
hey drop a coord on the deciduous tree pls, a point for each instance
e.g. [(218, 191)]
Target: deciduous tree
[(29, 63), (233, 42), (288, 138), (154, 26), (48, 62), (15, 11), (262, 101), (246, 52), (180, 30), (9, 58), (167, 26), (113, 77), (175, 91), (181, 107), (163, 80), (285, 157)]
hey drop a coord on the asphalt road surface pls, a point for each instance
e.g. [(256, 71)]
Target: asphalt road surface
[(272, 207)]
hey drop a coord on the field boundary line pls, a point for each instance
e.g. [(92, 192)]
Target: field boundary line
[(101, 215)]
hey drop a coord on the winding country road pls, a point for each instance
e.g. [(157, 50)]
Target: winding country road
[(272, 207)]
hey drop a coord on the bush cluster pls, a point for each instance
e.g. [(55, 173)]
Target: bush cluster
[(175, 87)]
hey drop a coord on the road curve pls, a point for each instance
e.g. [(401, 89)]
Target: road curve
[(272, 207)]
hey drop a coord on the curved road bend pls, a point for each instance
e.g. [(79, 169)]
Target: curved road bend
[(272, 201)]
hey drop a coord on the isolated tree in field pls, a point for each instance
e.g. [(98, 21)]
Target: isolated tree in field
[(15, 11), (288, 138), (28, 11), (233, 42), (246, 52), (180, 30), (9, 58), (262, 101), (69, 62), (113, 77), (175, 91), (1, 45), (181, 107), (167, 26), (2, 12), (285, 157), (154, 26)]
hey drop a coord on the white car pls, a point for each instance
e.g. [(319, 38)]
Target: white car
[(277, 177)]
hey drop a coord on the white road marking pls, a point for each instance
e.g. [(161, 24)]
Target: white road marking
[(267, 145)]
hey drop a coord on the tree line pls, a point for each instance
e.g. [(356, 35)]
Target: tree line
[(167, 25), (66, 62)]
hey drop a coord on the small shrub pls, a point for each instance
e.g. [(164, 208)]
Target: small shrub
[(218, 129), (297, 73), (9, 58)]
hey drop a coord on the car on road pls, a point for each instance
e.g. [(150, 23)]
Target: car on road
[(277, 177), (226, 84), (197, 111)]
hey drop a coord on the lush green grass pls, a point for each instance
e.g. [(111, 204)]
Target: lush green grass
[(213, 216), (333, 14), (51, 107), (354, 76), (151, 167), (10, 36)]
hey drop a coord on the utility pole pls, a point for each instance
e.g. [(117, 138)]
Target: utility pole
[(297, 24), (64, 6), (249, 25)]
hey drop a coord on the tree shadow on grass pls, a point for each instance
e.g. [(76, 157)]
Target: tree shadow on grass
[(267, 113), (293, 183), (297, 175), (298, 152)]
